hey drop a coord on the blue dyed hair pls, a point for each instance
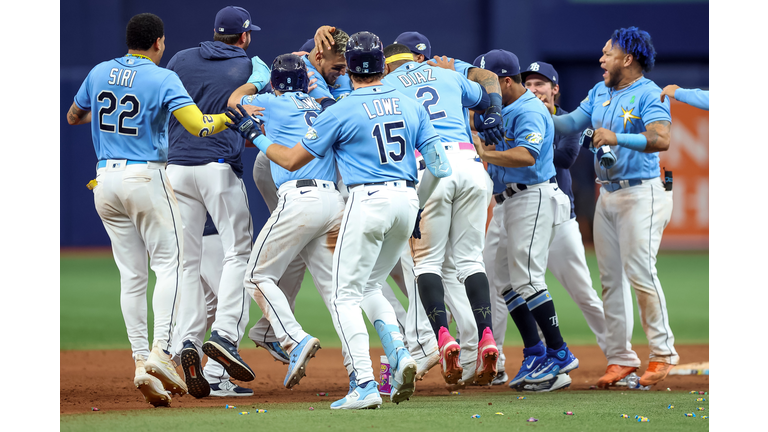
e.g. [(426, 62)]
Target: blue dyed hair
[(638, 43)]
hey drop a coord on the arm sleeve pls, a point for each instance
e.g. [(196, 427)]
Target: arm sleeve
[(693, 97), (322, 135), (571, 123), (199, 124), (83, 98), (566, 151), (652, 109)]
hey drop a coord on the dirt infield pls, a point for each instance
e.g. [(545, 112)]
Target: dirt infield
[(104, 379)]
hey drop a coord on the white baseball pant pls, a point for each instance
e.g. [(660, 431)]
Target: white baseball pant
[(373, 233), (627, 230), (213, 188), (138, 208)]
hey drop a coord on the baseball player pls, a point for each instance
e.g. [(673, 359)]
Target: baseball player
[(455, 212), (133, 98), (633, 208), (207, 177), (533, 206), (567, 259), (373, 133), (693, 97)]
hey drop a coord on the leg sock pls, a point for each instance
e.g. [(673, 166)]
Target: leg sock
[(543, 311), (480, 300), (432, 296), (522, 317)]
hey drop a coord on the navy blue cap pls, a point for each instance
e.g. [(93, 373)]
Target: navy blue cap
[(308, 45), (502, 63), (416, 42), (544, 69), (233, 20)]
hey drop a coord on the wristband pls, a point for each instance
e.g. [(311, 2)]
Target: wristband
[(636, 142), (262, 143), (495, 99)]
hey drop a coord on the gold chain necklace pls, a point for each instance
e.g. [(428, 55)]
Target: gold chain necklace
[(612, 94)]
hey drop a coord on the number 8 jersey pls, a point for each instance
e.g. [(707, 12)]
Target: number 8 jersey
[(130, 99), (373, 131)]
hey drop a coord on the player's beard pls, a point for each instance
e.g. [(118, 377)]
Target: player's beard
[(614, 77)]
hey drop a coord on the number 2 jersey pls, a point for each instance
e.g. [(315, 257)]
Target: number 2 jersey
[(443, 93), (373, 132), (286, 120), (130, 99)]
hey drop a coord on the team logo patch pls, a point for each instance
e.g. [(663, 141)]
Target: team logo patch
[(311, 134), (561, 354), (586, 99), (249, 99), (421, 47), (533, 67), (534, 138), (482, 63), (246, 23), (627, 116)]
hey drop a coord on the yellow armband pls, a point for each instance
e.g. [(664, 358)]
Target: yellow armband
[(199, 124)]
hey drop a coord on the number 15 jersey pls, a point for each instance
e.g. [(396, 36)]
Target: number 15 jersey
[(130, 99)]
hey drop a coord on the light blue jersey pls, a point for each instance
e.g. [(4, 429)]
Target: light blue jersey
[(286, 120), (322, 90), (342, 88), (373, 131), (462, 67), (445, 95), (130, 99), (693, 97), (628, 112), (528, 123)]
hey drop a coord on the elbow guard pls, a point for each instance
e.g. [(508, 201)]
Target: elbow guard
[(436, 160), (326, 102)]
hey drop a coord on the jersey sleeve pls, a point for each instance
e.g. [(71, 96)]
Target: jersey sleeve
[(471, 92), (174, 94), (652, 108), (529, 132), (322, 90), (462, 67), (586, 104), (83, 97), (426, 133), (693, 97), (322, 135)]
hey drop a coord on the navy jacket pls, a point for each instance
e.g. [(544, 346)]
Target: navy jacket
[(210, 73), (566, 151)]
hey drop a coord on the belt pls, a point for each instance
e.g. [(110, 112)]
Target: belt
[(295, 184), (103, 163), (612, 186), (515, 188), (310, 183), (408, 183)]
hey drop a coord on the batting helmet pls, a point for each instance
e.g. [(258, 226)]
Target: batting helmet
[(364, 54), (289, 73)]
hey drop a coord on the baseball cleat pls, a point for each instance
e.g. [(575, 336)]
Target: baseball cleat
[(449, 357), (487, 354), (403, 377), (559, 382), (558, 361), (224, 352), (149, 386), (467, 378), (275, 350), (300, 356), (197, 385), (501, 378), (160, 365), (613, 374), (364, 396), (229, 389), (533, 357), (427, 363), (656, 372)]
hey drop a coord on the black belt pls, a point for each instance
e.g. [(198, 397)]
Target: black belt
[(500, 196), (407, 183), (307, 183)]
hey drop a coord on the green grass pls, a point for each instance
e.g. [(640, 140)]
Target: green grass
[(593, 411), (90, 293)]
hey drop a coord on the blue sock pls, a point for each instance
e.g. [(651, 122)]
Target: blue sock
[(543, 311), (480, 301), (522, 317), (391, 340)]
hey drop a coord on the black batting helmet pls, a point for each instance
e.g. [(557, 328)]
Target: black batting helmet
[(364, 54), (289, 73)]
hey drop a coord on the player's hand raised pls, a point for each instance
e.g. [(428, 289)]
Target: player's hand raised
[(249, 127), (312, 81), (323, 34), (442, 62), (669, 91)]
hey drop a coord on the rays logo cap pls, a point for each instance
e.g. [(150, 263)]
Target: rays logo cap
[(416, 42), (501, 62), (544, 69), (233, 20)]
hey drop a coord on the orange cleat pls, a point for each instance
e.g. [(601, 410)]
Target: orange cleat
[(656, 372), (613, 374)]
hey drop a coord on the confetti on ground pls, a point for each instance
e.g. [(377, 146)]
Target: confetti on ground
[(700, 400), (624, 416), (244, 413), (490, 403), (593, 387), (693, 392), (322, 394), (455, 393), (670, 406), (228, 406), (643, 420), (499, 413), (568, 413), (476, 416), (699, 409), (705, 417), (520, 397), (311, 408), (668, 389), (94, 409), (261, 411), (532, 420), (690, 415)]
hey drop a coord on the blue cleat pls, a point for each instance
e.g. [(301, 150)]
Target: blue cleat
[(275, 350), (403, 377), (364, 396), (197, 385), (534, 357), (559, 361), (300, 356), (225, 352)]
